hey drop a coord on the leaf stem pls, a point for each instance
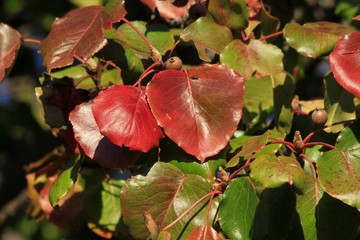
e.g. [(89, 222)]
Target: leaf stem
[(31, 40), (318, 143), (148, 71), (314, 175), (271, 35), (247, 163), (189, 209)]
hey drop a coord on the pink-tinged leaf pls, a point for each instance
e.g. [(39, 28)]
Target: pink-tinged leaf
[(257, 57), (199, 110), (357, 18), (124, 117), (114, 11), (314, 39), (345, 63), (204, 233), (167, 9), (10, 41), (79, 32), (94, 144)]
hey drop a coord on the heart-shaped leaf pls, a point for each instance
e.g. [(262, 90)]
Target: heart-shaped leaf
[(199, 110), (314, 39), (10, 41), (272, 171), (345, 63), (204, 232), (94, 144), (256, 57), (232, 14), (165, 193), (339, 174), (79, 33), (207, 35), (123, 116), (237, 208)]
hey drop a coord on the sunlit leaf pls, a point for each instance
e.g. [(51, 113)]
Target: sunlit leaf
[(79, 33), (114, 11), (204, 232), (349, 136), (167, 10), (199, 110), (237, 208), (339, 174), (123, 116), (345, 63), (314, 39), (207, 36), (257, 57), (232, 14), (166, 192), (10, 41), (272, 171)]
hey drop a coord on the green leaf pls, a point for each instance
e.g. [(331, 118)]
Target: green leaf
[(272, 171), (65, 181), (206, 170), (232, 14), (166, 192), (284, 88), (349, 136), (257, 57), (79, 75), (314, 39), (158, 35), (339, 104), (306, 207), (339, 174), (207, 36), (336, 220), (103, 210), (237, 208)]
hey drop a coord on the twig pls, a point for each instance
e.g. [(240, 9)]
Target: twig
[(271, 35), (13, 206)]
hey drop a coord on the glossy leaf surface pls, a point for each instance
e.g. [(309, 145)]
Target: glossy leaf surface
[(166, 192), (207, 36), (314, 39), (65, 181), (339, 174), (256, 57), (9, 45), (79, 33), (272, 171), (124, 117), (237, 208), (345, 63), (232, 14), (94, 144), (199, 110)]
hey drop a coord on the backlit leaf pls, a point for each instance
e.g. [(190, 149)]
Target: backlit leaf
[(123, 116), (10, 41), (199, 110), (257, 57), (207, 36), (237, 208), (204, 232), (272, 171), (79, 33), (314, 39), (345, 63), (339, 174), (166, 192), (232, 14), (95, 145)]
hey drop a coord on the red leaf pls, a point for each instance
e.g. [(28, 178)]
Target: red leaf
[(114, 11), (94, 144), (78, 33), (9, 46), (167, 9), (123, 115), (204, 233), (345, 63), (199, 110)]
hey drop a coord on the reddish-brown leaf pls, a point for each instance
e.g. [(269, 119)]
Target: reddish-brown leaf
[(204, 233), (167, 9), (10, 41), (94, 144), (113, 12), (200, 109), (79, 33), (124, 117), (345, 63), (357, 18)]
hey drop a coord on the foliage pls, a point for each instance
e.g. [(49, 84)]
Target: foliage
[(212, 150)]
